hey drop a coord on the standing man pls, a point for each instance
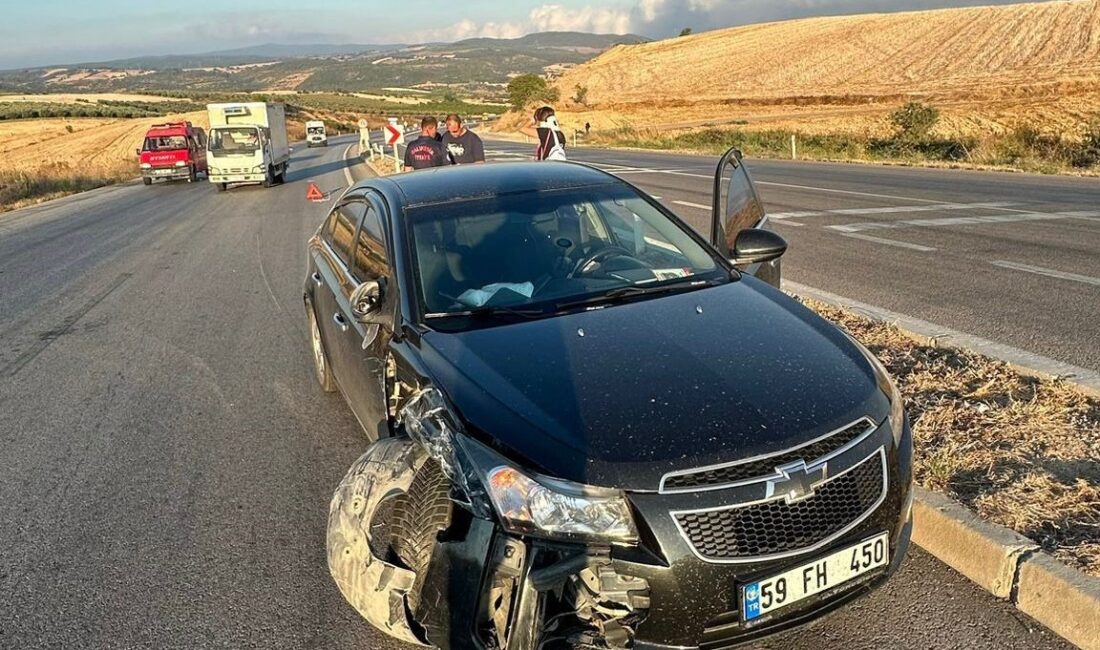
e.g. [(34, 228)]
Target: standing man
[(463, 145), (426, 151)]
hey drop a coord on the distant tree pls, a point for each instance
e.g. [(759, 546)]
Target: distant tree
[(915, 121), (528, 88), (685, 31), (580, 95)]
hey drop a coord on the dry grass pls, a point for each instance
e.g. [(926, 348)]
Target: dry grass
[(47, 158), (1022, 452), (990, 69)]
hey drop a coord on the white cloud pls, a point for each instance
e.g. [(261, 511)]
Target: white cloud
[(660, 18)]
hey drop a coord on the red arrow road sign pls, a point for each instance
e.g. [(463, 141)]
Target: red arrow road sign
[(395, 134)]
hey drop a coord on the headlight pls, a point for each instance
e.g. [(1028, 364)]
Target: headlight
[(180, 163), (548, 507), (215, 170), (146, 166), (888, 386)]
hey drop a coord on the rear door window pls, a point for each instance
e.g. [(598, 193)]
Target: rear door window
[(371, 260), (347, 218)]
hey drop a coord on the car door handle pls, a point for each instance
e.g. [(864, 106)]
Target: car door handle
[(341, 322), (317, 278)]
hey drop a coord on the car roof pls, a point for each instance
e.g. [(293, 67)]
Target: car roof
[(461, 182)]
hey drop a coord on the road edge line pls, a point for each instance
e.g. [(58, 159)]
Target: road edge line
[(1001, 561), (1027, 363)]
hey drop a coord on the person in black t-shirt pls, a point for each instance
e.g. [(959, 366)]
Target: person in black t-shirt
[(426, 151), (463, 145)]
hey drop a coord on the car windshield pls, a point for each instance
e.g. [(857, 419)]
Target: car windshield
[(234, 140), (316, 130), (546, 248), (165, 143)]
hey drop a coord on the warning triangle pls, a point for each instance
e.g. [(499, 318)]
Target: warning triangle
[(314, 193)]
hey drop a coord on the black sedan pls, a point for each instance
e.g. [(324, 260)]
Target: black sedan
[(590, 426)]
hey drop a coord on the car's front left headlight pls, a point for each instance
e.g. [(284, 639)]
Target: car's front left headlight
[(146, 166), (562, 510), (552, 508), (180, 163)]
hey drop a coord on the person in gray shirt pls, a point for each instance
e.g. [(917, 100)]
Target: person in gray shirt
[(462, 145)]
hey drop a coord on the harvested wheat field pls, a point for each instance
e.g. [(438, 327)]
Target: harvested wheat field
[(988, 68), (94, 146)]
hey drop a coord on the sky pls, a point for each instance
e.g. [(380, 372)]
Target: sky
[(49, 32)]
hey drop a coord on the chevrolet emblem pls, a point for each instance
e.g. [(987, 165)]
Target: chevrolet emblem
[(797, 481)]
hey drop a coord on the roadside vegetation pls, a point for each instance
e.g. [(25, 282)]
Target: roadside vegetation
[(915, 140), (1022, 452), (18, 189), (23, 110)]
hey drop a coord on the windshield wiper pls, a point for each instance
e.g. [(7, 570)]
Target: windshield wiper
[(635, 290), (492, 311)]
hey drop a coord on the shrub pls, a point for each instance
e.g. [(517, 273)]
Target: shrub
[(914, 121), (580, 95)]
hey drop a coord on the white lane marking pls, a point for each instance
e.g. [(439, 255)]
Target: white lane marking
[(921, 208), (1084, 377), (963, 221), (689, 204), (1038, 270), (786, 222), (347, 169), (655, 197), (646, 171), (794, 215), (890, 242)]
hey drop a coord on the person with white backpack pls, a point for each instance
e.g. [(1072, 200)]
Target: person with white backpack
[(549, 135)]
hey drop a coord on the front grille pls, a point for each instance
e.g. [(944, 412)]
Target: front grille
[(776, 527), (755, 469)]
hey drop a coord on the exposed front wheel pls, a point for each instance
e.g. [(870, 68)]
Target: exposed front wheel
[(147, 181), (269, 178), (320, 359), (418, 516), (222, 186)]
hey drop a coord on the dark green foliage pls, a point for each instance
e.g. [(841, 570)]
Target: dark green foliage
[(580, 95), (914, 121), (101, 108), (685, 31), (528, 89)]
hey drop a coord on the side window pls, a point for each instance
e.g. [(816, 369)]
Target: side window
[(371, 261), (347, 218)]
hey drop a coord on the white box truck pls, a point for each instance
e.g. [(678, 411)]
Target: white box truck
[(316, 135), (247, 144)]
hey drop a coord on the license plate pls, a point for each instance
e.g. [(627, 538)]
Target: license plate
[(779, 591), (165, 172)]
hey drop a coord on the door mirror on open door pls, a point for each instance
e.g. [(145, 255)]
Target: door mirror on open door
[(756, 245), (736, 206)]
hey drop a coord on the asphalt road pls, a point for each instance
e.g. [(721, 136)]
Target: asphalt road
[(1014, 258), (169, 458)]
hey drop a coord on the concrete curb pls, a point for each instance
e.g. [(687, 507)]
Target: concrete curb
[(1074, 613), (986, 553), (999, 560), (1010, 566)]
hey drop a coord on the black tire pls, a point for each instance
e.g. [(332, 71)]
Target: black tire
[(281, 177), (269, 178), (147, 181), (418, 516), (321, 368), (222, 186)]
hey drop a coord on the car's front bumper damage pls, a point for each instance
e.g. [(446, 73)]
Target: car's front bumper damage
[(489, 588)]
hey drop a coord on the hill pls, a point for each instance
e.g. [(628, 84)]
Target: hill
[(986, 67), (480, 66)]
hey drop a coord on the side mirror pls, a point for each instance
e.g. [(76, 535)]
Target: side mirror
[(137, 152), (756, 245), (366, 300)]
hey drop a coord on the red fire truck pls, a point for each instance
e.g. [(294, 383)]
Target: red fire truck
[(175, 150)]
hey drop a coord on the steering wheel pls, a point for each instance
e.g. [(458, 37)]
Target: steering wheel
[(585, 264)]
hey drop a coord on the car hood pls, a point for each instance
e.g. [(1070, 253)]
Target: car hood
[(617, 397)]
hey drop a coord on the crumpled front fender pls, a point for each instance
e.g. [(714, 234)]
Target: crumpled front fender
[(376, 588)]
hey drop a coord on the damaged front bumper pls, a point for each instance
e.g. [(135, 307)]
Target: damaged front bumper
[(487, 588)]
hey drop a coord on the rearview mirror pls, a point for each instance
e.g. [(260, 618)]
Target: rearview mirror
[(366, 300), (756, 245)]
